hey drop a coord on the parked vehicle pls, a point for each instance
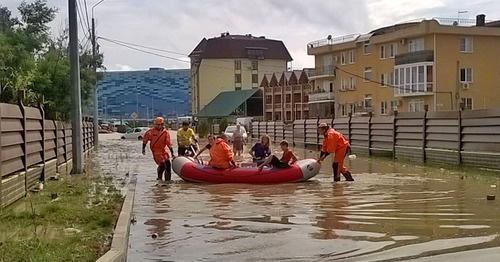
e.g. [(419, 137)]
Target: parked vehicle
[(135, 133), (229, 132)]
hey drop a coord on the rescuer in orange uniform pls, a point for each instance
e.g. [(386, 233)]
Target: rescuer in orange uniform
[(159, 139), (221, 155), (335, 142)]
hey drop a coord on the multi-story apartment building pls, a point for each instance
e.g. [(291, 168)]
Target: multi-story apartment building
[(233, 62), (430, 65), (286, 95), (147, 93)]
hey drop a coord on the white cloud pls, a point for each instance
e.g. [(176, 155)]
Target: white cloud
[(123, 67)]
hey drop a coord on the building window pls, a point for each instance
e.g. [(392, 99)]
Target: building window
[(352, 57), (255, 53), (255, 78), (237, 65), (416, 105), (343, 84), (416, 45), (466, 44), (413, 78), (383, 79), (466, 75), (342, 58), (367, 74), (343, 110), (367, 49), (391, 79), (255, 65), (393, 50), (466, 103), (383, 54), (352, 109), (237, 78), (367, 103), (352, 84), (383, 108)]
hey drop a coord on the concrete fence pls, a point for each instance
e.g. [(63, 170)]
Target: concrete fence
[(32, 149), (457, 137)]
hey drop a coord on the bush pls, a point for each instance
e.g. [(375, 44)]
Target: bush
[(222, 125), (203, 129)]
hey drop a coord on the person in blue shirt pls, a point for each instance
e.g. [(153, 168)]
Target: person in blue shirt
[(260, 151)]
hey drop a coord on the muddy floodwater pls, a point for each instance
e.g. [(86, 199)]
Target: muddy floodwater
[(394, 211)]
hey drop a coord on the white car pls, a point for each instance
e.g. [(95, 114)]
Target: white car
[(135, 133), (229, 132)]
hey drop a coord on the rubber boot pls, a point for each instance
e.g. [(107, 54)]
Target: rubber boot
[(348, 176), (335, 167), (168, 171)]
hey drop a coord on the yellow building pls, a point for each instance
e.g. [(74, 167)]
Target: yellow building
[(411, 67), (233, 62)]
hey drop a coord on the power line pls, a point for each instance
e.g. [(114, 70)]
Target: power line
[(147, 47), (174, 52), (87, 14)]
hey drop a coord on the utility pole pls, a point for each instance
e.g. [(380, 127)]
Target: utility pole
[(96, 108), (76, 114)]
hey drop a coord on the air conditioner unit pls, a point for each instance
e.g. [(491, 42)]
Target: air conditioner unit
[(335, 58), (398, 102), (465, 85), (402, 41)]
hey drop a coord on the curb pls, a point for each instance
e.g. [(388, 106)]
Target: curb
[(119, 245)]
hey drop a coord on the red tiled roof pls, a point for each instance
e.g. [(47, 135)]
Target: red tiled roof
[(236, 46)]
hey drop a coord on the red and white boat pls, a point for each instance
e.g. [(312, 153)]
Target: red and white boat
[(191, 171)]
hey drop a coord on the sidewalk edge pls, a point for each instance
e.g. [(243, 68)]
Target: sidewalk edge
[(119, 245)]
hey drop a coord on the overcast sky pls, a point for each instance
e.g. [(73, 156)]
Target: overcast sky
[(179, 25)]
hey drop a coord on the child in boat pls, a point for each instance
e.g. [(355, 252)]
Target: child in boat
[(284, 162), (260, 151)]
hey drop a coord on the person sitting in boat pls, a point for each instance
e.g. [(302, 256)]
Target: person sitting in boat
[(284, 162), (211, 143), (260, 151), (220, 154)]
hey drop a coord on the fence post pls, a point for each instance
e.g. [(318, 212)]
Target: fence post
[(305, 130), (460, 136), (42, 113), (394, 133), (1, 160), (370, 134), (57, 145), (65, 146), (25, 151), (424, 129), (349, 129)]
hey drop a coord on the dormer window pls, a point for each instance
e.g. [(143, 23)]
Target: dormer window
[(255, 52)]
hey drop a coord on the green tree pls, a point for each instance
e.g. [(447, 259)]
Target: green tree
[(32, 61)]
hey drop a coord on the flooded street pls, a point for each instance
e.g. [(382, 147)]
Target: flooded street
[(393, 211)]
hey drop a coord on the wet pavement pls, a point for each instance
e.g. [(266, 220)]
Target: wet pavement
[(394, 211)]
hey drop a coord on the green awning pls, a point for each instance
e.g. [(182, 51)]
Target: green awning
[(226, 102)]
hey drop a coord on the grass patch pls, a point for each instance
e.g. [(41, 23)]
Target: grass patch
[(70, 220)]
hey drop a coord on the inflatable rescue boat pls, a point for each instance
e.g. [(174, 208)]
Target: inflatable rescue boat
[(191, 171)]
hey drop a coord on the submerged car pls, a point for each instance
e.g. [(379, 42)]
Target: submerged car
[(135, 133), (229, 133)]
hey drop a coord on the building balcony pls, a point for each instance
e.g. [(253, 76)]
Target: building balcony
[(419, 89), (415, 57), (322, 72), (318, 97)]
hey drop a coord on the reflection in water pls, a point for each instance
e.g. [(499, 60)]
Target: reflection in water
[(392, 212)]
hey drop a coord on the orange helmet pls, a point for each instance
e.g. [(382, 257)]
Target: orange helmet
[(159, 120)]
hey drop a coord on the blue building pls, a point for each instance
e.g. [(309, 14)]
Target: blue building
[(148, 93)]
